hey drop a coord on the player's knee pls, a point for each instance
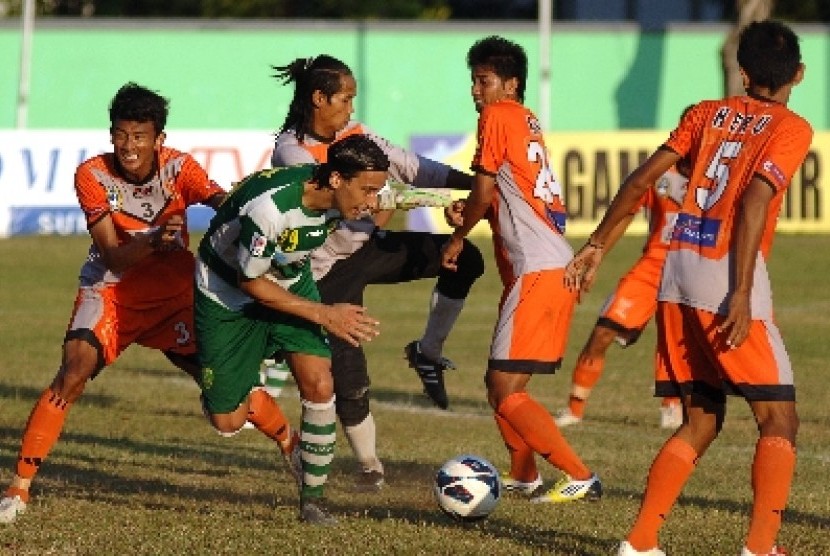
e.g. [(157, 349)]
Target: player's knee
[(353, 409), (456, 284), (470, 262), (71, 380)]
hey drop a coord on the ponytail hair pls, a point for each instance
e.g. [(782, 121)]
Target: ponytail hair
[(320, 73)]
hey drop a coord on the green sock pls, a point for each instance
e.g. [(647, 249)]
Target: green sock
[(317, 438)]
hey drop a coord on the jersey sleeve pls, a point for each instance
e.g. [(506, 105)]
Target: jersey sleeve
[(681, 139), (257, 240), (92, 196), (288, 152), (492, 142), (408, 167), (195, 185), (785, 152)]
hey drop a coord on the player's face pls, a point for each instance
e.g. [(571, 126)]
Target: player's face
[(358, 196), (332, 114), (135, 145), (488, 87)]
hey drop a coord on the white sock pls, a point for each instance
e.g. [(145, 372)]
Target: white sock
[(361, 438), (442, 316)]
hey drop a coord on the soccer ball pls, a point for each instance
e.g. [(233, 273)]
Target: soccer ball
[(467, 488)]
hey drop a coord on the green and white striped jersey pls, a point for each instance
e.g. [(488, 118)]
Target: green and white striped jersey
[(262, 229)]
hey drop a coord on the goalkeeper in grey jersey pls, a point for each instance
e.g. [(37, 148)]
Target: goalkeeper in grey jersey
[(360, 253)]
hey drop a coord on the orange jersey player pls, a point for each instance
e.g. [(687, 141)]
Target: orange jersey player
[(136, 286), (516, 190), (136, 209), (715, 331), (630, 307)]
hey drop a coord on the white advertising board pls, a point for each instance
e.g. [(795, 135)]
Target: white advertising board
[(37, 170)]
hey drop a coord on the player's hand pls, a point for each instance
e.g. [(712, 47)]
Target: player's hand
[(350, 323), (581, 272), (735, 327), (454, 214), (450, 252), (168, 236)]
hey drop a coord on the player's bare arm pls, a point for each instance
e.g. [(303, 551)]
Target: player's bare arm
[(752, 217), (581, 271), (475, 207), (119, 258), (348, 322), (454, 214)]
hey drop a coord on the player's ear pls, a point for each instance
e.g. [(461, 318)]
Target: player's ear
[(160, 140), (799, 74), (511, 87), (335, 180), (318, 98), (744, 79)]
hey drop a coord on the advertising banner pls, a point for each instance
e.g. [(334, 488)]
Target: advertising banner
[(591, 167), (37, 170)]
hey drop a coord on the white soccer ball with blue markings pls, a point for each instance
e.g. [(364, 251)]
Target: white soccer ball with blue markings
[(467, 488)]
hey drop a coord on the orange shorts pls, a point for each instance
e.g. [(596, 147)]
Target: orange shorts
[(99, 319), (532, 329), (628, 310), (692, 357)]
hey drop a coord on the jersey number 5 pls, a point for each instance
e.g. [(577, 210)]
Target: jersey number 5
[(718, 170), (547, 186)]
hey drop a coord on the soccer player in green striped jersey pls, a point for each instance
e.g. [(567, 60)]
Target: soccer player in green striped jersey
[(255, 296)]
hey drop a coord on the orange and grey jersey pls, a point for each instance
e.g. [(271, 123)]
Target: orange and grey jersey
[(729, 142), (662, 204), (404, 166), (137, 208), (527, 215)]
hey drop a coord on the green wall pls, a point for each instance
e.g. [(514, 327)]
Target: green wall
[(412, 76)]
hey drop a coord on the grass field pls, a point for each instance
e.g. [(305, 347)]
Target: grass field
[(139, 471)]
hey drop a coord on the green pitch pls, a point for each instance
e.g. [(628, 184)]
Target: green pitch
[(139, 471)]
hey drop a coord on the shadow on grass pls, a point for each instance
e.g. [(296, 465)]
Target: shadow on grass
[(731, 506), (8, 391), (421, 400)]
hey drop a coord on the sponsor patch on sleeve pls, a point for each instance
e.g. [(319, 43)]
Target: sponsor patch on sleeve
[(258, 244), (774, 172)]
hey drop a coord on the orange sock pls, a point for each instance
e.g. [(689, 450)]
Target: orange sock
[(522, 460), (669, 471), (585, 376), (772, 474), (42, 431), (14, 491), (535, 425), (267, 416)]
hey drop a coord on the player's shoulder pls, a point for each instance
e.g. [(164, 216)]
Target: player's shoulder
[(797, 122), (354, 127), (96, 166)]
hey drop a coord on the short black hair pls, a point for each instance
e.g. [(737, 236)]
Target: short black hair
[(769, 53), (505, 57), (320, 73), (135, 103), (351, 155)]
